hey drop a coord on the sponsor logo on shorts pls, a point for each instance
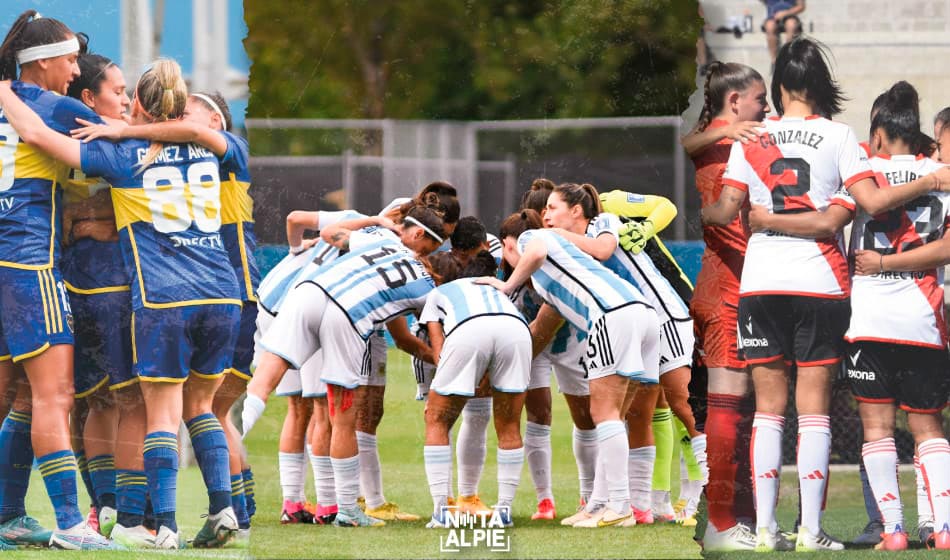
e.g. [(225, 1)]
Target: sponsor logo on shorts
[(854, 357), (861, 375), (755, 342)]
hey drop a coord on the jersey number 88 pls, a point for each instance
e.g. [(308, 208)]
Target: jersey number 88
[(175, 203)]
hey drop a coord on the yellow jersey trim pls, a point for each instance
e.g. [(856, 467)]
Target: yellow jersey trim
[(146, 379), (45, 299), (5, 357), (240, 374), (248, 287), (207, 375), (124, 384), (93, 291), (29, 355), (94, 389), (135, 355)]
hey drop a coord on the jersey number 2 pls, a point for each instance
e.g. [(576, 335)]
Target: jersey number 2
[(784, 191), (175, 204)]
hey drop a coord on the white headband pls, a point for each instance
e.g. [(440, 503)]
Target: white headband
[(214, 107), (424, 228), (47, 51)]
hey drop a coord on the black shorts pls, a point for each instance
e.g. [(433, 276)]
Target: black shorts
[(916, 379), (806, 331), (781, 23)]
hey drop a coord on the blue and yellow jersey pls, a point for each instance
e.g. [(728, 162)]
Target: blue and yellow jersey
[(30, 195), (168, 214), (237, 216), (90, 266)]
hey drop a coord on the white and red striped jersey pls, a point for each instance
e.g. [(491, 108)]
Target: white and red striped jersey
[(900, 307), (796, 165)]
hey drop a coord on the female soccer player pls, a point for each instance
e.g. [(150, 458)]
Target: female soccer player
[(99, 295), (337, 310), (897, 336), (602, 306), (491, 339), (34, 310), (734, 106), (185, 298), (793, 293)]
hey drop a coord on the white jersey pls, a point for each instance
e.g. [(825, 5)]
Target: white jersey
[(283, 277), (796, 165), (581, 289), (639, 270), (454, 303), (494, 247), (899, 307)]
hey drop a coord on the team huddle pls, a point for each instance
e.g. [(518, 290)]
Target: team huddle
[(129, 283)]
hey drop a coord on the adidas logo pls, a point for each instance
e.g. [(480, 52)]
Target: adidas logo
[(814, 475), (888, 498), (855, 357), (770, 474)]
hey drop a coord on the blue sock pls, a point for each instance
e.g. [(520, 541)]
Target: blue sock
[(131, 490), (59, 475), (239, 502), (211, 451), (16, 462), (161, 470), (102, 473), (249, 491), (83, 466)]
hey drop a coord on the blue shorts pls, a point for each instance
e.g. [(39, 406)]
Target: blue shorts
[(34, 312), (103, 341), (169, 344), (244, 349)]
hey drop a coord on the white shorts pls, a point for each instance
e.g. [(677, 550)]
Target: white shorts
[(676, 345), (625, 342), (309, 322), (376, 374), (289, 385), (500, 345), (540, 370), (569, 368)]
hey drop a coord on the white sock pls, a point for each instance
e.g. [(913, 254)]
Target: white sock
[(450, 482), (438, 462), (698, 445), (253, 410), (814, 449), (510, 463), (585, 455), (640, 475), (323, 479), (766, 466), (880, 461), (935, 466), (346, 476), (290, 467), (371, 476), (472, 445), (537, 449), (613, 449), (924, 513)]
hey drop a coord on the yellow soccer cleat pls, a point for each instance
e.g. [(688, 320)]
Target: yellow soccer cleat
[(473, 505), (389, 511)]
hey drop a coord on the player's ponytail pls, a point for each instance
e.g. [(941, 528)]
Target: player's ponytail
[(802, 69), (899, 115), (519, 222), (161, 92), (30, 30), (721, 78), (443, 267), (536, 197), (584, 195)]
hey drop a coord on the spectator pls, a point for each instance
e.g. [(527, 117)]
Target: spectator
[(781, 17)]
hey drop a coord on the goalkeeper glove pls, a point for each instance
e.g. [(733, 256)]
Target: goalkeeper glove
[(634, 235)]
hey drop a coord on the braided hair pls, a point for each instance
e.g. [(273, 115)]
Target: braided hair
[(721, 78)]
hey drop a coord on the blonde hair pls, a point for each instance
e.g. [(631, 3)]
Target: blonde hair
[(162, 94)]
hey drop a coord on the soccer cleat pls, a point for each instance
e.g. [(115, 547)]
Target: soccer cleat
[(219, 528), (661, 507), (324, 515), (361, 501), (785, 541), (806, 542), (390, 512), (92, 519), (166, 539), (357, 518), (504, 514), (81, 537), (6, 545), (106, 521), (893, 541), (295, 512), (941, 538), (473, 505), (591, 518), (679, 505), (26, 531), (644, 516), (579, 515), (737, 538), (437, 521), (925, 533), (765, 540), (241, 540), (133, 537), (871, 535), (684, 519), (545, 510)]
